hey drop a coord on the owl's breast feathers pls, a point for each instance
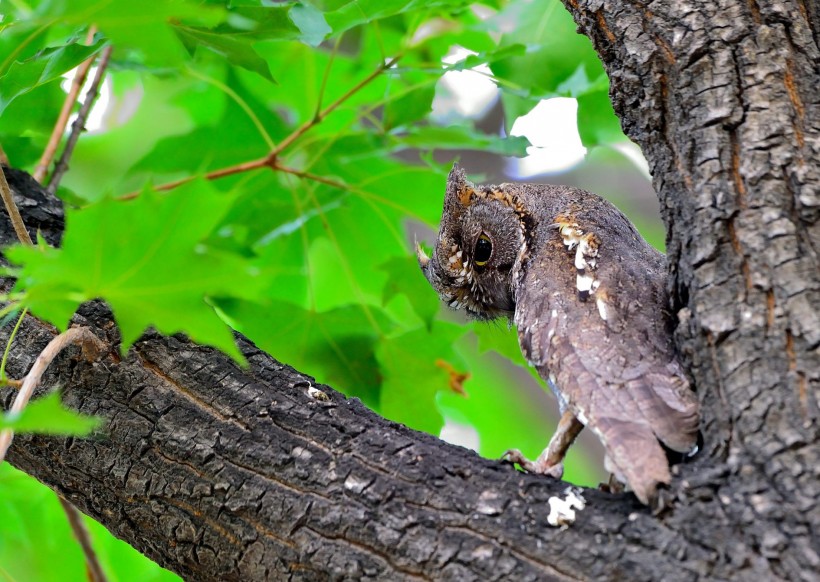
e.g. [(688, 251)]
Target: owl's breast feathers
[(592, 316)]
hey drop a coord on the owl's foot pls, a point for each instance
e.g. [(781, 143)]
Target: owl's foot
[(550, 462), (541, 466), (614, 485)]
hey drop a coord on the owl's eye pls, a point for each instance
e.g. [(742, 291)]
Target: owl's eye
[(483, 250)]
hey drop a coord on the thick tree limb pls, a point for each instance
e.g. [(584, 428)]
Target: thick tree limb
[(222, 473), (722, 97)]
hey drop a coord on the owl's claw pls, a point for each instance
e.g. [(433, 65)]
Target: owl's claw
[(539, 467)]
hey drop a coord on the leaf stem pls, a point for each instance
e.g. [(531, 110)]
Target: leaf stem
[(62, 120), (81, 335), (7, 62), (79, 124), (14, 213), (8, 345), (238, 100), (316, 119), (220, 173), (270, 159), (326, 75), (75, 520), (8, 309), (312, 177)]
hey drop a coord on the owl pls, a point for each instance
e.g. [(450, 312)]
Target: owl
[(587, 295)]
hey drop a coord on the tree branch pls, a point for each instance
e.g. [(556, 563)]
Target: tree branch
[(79, 124), (62, 119), (75, 520), (270, 160), (13, 211), (321, 114), (79, 335), (33, 378)]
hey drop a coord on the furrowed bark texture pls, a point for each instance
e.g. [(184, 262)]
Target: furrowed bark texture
[(723, 98), (222, 473)]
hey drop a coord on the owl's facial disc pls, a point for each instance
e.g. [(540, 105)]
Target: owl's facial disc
[(470, 268), (450, 273), (480, 242)]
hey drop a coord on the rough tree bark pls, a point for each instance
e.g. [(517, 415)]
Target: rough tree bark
[(221, 473)]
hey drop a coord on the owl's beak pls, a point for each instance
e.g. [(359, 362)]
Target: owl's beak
[(426, 266), (422, 257)]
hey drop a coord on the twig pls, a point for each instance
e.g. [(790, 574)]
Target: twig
[(326, 75), (8, 345), (79, 124), (62, 120), (320, 115), (312, 177), (75, 520), (270, 159), (74, 335), (4, 159), (14, 213), (220, 173)]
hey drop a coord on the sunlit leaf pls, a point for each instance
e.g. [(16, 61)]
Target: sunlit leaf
[(47, 415), (404, 277), (500, 338), (147, 25), (254, 21), (235, 136), (357, 12), (44, 67), (337, 345), (311, 23), (597, 122), (411, 106), (484, 57), (235, 50), (415, 367), (558, 61), (145, 257), (462, 137)]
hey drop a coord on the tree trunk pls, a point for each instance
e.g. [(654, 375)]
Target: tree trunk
[(224, 473)]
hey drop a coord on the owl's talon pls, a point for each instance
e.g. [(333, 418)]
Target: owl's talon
[(538, 467), (514, 457)]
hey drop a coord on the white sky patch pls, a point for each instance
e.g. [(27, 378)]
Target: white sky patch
[(551, 126), (552, 129), (634, 154), (467, 93), (96, 118), (459, 434)]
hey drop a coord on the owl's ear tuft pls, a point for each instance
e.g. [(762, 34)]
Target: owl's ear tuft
[(460, 191), (457, 175)]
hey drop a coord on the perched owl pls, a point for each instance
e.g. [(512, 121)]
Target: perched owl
[(587, 295)]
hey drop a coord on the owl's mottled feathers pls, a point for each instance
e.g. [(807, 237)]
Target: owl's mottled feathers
[(587, 295)]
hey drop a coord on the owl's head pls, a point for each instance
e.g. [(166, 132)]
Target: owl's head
[(480, 246)]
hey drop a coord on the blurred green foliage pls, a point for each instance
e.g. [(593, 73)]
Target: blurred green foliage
[(313, 261)]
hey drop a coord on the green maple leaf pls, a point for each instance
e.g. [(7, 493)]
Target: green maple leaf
[(145, 258), (47, 415)]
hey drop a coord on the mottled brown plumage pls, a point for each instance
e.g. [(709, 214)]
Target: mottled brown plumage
[(587, 295)]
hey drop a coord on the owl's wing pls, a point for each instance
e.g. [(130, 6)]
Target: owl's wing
[(592, 318)]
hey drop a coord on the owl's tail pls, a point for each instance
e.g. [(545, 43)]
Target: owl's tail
[(635, 456)]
